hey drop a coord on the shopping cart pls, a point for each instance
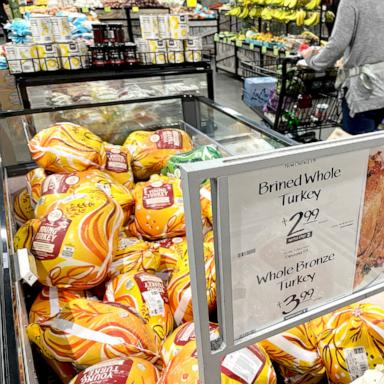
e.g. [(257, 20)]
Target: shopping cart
[(305, 103)]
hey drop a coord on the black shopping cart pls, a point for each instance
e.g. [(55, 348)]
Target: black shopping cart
[(305, 103)]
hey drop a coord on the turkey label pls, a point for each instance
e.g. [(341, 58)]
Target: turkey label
[(294, 233)]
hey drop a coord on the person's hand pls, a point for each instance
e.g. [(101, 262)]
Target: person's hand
[(307, 53)]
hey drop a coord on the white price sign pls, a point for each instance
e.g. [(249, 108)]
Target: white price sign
[(294, 233)]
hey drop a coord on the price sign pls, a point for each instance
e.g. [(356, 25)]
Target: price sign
[(239, 43), (191, 3), (107, 9), (264, 49), (135, 9), (294, 233), (251, 46), (275, 51)]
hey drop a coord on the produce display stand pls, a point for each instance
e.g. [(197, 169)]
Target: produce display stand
[(26, 81), (227, 57), (203, 119), (251, 308)]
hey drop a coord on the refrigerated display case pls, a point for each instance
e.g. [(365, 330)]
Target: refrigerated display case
[(205, 121), (93, 85)]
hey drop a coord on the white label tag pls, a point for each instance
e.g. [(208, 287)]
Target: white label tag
[(244, 364), (155, 303), (357, 362)]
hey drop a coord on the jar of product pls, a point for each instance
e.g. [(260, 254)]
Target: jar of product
[(115, 33), (99, 33), (129, 53), (98, 56), (114, 54)]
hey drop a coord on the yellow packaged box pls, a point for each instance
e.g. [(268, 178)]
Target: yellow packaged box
[(179, 26), (149, 27), (48, 56), (175, 51), (69, 55)]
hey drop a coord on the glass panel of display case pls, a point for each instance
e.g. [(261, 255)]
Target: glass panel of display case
[(116, 90)]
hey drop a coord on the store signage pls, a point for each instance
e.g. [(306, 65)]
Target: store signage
[(191, 3), (294, 235)]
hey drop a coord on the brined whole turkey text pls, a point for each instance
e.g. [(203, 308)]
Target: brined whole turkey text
[(304, 179)]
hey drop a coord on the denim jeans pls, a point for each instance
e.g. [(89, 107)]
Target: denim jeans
[(362, 122)]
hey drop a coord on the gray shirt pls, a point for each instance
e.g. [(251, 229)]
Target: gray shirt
[(358, 35)]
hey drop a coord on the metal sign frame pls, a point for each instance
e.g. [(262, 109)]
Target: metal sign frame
[(218, 171)]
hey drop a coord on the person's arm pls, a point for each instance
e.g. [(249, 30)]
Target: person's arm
[(339, 41)]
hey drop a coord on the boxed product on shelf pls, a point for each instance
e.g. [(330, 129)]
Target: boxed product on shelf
[(194, 43), (22, 58), (48, 57), (164, 27), (158, 51), (149, 27), (41, 29), (179, 26), (175, 51), (257, 90), (61, 30), (69, 55)]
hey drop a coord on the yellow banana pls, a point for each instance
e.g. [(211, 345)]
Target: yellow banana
[(313, 4), (312, 20)]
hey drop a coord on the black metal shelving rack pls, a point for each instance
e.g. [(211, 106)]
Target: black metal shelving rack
[(27, 80)]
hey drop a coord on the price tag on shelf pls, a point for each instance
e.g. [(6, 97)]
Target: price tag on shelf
[(107, 9), (264, 49), (135, 9), (251, 46), (85, 10), (294, 237), (275, 51), (191, 3), (239, 43)]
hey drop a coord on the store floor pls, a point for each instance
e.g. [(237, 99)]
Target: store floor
[(228, 92)]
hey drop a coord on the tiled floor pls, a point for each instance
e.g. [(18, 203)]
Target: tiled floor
[(228, 91)]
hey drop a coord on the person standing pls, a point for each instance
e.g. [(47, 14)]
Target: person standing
[(357, 37)]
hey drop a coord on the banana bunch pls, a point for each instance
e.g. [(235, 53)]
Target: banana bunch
[(330, 17), (255, 12), (300, 17), (313, 4), (244, 13), (234, 11), (291, 3), (274, 2), (312, 19), (267, 14), (258, 2)]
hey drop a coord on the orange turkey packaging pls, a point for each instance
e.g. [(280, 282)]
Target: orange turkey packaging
[(131, 370), (87, 332), (74, 242), (151, 150), (67, 147)]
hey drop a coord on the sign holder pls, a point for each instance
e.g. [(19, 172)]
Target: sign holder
[(219, 172)]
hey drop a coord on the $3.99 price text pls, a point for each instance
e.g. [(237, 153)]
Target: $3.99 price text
[(292, 302)]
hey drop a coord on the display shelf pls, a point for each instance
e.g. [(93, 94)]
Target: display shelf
[(26, 82)]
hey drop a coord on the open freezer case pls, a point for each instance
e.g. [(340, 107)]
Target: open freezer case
[(205, 122)]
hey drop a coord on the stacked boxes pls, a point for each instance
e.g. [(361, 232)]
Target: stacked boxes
[(51, 50), (165, 40)]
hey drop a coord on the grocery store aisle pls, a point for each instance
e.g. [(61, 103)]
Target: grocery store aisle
[(228, 91)]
